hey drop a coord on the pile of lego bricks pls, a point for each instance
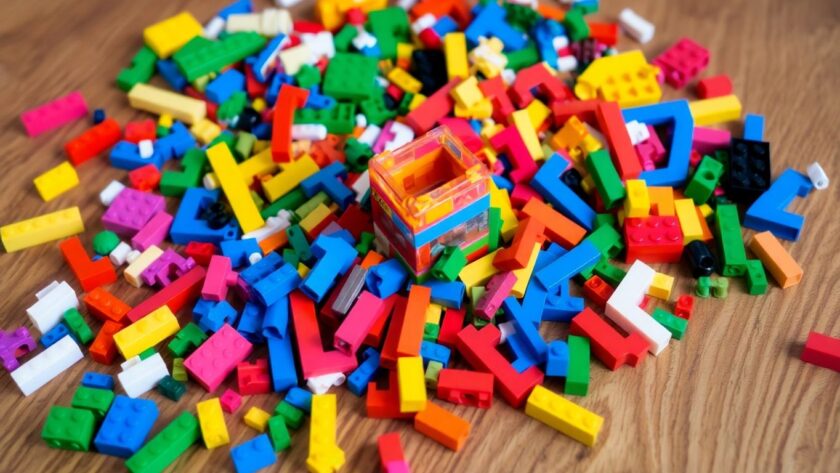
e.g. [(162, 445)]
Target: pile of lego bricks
[(416, 187)]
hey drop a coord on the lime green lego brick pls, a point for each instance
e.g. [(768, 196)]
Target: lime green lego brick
[(165, 447), (232, 107), (308, 76), (339, 120), (431, 332), (756, 277), (676, 325), (176, 183), (703, 287), (279, 433), (201, 58), (305, 208), (69, 428), (720, 288), (606, 177), (451, 261), (351, 77), (140, 71), (179, 373), (432, 374), (258, 201), (731, 252), (344, 38), (522, 58), (244, 145), (610, 273), (390, 26), (375, 110), (703, 182), (97, 401), (608, 241), (78, 327), (494, 224), (577, 377), (290, 414), (365, 240), (292, 200)]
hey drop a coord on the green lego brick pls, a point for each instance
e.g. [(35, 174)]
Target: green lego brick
[(390, 26), (179, 373), (78, 327), (161, 131), (176, 183), (676, 325), (350, 77), (343, 40), (733, 256), (451, 261), (606, 178), (308, 76), (521, 16), (165, 447), (522, 58), (205, 57), (608, 240), (147, 353), (405, 104), (298, 242), (703, 182), (357, 154), (756, 277), (171, 388), (720, 288), (104, 242), (186, 340), (224, 137), (432, 374), (244, 144), (140, 71), (340, 120), (703, 287), (279, 433), (97, 401), (289, 256), (290, 414), (431, 332), (232, 107), (577, 377), (69, 428), (375, 110), (494, 224), (365, 240), (605, 219), (305, 208), (576, 27), (292, 200), (610, 273)]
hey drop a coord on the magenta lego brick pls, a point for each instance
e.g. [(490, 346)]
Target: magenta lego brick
[(217, 357), (14, 345), (168, 267), (131, 210), (55, 114)]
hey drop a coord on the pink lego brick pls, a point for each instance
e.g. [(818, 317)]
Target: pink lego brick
[(709, 140), (153, 233), (131, 210), (162, 270), (54, 114), (230, 401), (522, 193), (220, 276), (217, 357), (682, 62), (352, 331), (462, 129), (497, 289), (651, 152), (384, 137), (822, 350), (314, 361), (397, 466), (509, 142)]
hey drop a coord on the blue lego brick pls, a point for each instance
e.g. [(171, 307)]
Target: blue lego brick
[(276, 321), (560, 305), (319, 101), (251, 323), (677, 114), (125, 426), (265, 59), (176, 143), (328, 180), (446, 293), (754, 127), (490, 21), (549, 185), (300, 398), (444, 25), (239, 250), (187, 226), (98, 380), (335, 257), (544, 33), (445, 225), (262, 268), (276, 285), (225, 85), (582, 256), (533, 304), (277, 82), (431, 351), (253, 455), (338, 232), (54, 334), (211, 315), (171, 74), (262, 131), (557, 363), (523, 357), (386, 278), (237, 7), (546, 256), (768, 211), (358, 380), (126, 155), (529, 334), (502, 183), (281, 361)]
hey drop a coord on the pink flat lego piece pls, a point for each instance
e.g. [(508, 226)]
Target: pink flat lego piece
[(352, 331), (153, 233), (709, 140), (217, 357), (220, 276), (54, 114), (131, 210), (497, 289), (162, 270)]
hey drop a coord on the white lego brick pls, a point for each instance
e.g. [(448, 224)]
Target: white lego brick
[(309, 131), (110, 192), (48, 364), (53, 301), (567, 63), (406, 4), (637, 27), (146, 148), (132, 256), (818, 176), (426, 21), (403, 135), (638, 132), (119, 255), (214, 27), (274, 21), (623, 307), (322, 384), (279, 222), (143, 376), (243, 22), (506, 329), (370, 135), (296, 57), (321, 44), (361, 186), (361, 120), (286, 3)]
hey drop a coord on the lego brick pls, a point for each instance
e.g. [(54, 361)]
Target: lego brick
[(784, 269), (126, 426), (623, 307), (412, 386), (606, 178), (41, 229), (159, 101), (335, 257), (131, 210), (314, 360), (235, 190), (181, 292), (556, 226), (682, 62), (143, 376), (324, 452), (608, 345), (677, 113), (279, 434), (684, 306), (413, 321), (353, 329), (230, 401), (146, 332), (103, 350), (38, 371), (547, 182), (564, 415), (689, 220), (455, 48), (653, 239), (676, 325), (253, 378), (68, 428), (169, 35), (442, 426), (165, 447), (153, 232), (526, 331), (714, 86), (822, 350), (53, 301), (496, 291), (171, 388), (94, 400), (256, 419), (470, 388), (582, 256), (733, 257), (216, 358), (77, 326), (56, 181), (200, 57), (705, 179), (54, 114), (715, 110), (768, 211), (288, 101), (98, 380), (253, 455)]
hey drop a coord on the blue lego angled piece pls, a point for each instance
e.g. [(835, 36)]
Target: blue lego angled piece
[(447, 293), (431, 351), (358, 380), (319, 101), (251, 323), (385, 279), (211, 315), (444, 25), (524, 358), (560, 305), (754, 127), (328, 180), (529, 334), (677, 114), (253, 455), (171, 74), (557, 363), (549, 185), (335, 257), (235, 8), (239, 250), (125, 426), (582, 256), (262, 268), (277, 82), (189, 226), (300, 398), (126, 155), (98, 380), (768, 211), (276, 321), (534, 302), (276, 285), (490, 21), (545, 31), (281, 361), (55, 334), (225, 85), (176, 143), (267, 57)]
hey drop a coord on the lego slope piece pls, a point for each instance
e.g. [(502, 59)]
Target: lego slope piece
[(564, 415), (48, 364), (785, 270), (822, 350), (165, 447), (768, 211), (623, 307), (235, 190), (54, 114), (37, 230), (53, 301)]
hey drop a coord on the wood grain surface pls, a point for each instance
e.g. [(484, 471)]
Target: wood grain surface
[(731, 396)]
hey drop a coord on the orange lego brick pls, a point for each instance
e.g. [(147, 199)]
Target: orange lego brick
[(785, 270), (704, 226), (662, 201), (371, 259), (105, 306), (558, 228), (442, 426), (516, 256), (272, 242), (414, 321)]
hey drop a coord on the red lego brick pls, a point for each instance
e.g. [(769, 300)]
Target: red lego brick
[(200, 252), (92, 142), (558, 228), (608, 345), (136, 132), (327, 151), (355, 220), (682, 62), (453, 322), (303, 26), (91, 274), (606, 33), (105, 306), (103, 349), (144, 178), (254, 87), (529, 232), (470, 388), (585, 110), (436, 106), (653, 239), (597, 291), (495, 90), (290, 99), (538, 77), (611, 124), (388, 355), (385, 403), (459, 10), (509, 142), (822, 350), (314, 360), (253, 378), (684, 306), (390, 449), (182, 291), (715, 86)]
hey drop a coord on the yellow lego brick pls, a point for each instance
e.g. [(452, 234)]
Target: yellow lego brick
[(258, 104), (467, 93), (662, 198), (315, 217), (166, 120), (480, 110), (412, 383), (257, 419), (167, 36), (661, 286), (156, 100), (302, 270), (619, 217), (133, 271), (487, 57), (416, 101), (260, 146), (626, 78), (490, 154), (523, 275), (289, 177), (705, 210), (146, 332), (56, 181), (489, 130), (478, 272), (258, 165), (331, 12), (205, 130), (570, 136), (538, 112), (689, 221), (455, 48), (404, 51), (500, 199), (715, 110), (405, 81), (522, 121), (212, 423), (324, 454), (237, 193), (41, 229), (563, 415), (433, 314), (637, 203)]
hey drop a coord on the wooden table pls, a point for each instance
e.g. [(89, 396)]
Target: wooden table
[(731, 396)]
